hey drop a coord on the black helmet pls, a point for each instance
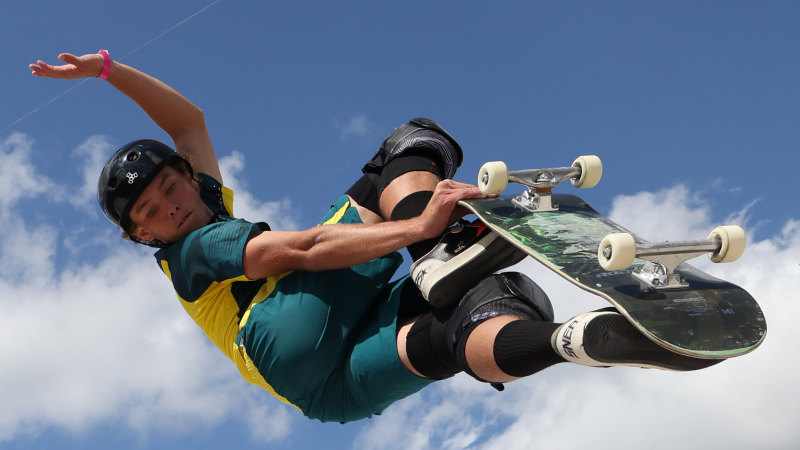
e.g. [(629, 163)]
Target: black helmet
[(128, 173)]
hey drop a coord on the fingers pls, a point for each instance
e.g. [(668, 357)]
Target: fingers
[(443, 209), (447, 195), (40, 68), (73, 67), (68, 58), (460, 190)]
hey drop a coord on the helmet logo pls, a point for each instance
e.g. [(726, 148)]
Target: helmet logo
[(131, 177)]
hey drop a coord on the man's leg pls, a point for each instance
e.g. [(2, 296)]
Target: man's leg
[(503, 330), (398, 183), (435, 344), (421, 145), (406, 187), (501, 350), (399, 180)]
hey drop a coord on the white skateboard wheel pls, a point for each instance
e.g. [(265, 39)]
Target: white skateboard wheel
[(493, 177), (733, 242), (591, 171), (617, 251)]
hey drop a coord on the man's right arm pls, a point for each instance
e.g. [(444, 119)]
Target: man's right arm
[(337, 246)]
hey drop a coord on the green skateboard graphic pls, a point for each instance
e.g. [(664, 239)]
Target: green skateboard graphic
[(674, 304)]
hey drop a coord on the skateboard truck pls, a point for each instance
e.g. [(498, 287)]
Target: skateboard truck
[(494, 176), (617, 252)]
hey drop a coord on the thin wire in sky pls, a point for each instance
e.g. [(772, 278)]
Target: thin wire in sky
[(75, 86), (159, 36)]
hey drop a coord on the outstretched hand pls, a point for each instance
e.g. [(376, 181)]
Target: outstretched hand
[(85, 66)]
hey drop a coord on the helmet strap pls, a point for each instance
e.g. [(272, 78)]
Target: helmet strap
[(148, 242)]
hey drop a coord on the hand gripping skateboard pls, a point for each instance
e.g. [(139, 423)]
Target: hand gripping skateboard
[(674, 304)]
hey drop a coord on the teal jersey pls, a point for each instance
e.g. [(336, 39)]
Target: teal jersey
[(324, 342)]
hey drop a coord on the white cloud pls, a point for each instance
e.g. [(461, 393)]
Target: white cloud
[(93, 155), (670, 214), (27, 251), (107, 340), (719, 185), (746, 402), (357, 126), (278, 214), (18, 177)]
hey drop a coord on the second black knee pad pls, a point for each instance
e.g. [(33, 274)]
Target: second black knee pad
[(504, 293), (510, 293), (436, 343)]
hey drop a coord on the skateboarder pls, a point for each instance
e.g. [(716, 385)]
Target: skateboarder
[(313, 316)]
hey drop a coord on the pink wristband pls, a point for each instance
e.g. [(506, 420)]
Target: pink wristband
[(106, 64)]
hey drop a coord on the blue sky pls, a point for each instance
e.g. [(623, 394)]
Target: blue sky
[(694, 108)]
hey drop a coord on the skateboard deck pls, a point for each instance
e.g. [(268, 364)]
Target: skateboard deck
[(706, 318)]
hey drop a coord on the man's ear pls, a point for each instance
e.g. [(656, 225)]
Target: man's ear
[(192, 181), (142, 234)]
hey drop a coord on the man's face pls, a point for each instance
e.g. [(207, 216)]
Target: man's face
[(169, 208)]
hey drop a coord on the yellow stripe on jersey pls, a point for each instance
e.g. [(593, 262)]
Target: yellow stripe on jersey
[(337, 216), (213, 311), (227, 200), (210, 306), (250, 373)]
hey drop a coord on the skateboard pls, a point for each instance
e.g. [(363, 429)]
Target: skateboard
[(671, 302)]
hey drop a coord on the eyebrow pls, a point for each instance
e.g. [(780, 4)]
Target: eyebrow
[(163, 177)]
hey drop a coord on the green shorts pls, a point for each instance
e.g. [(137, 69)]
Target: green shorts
[(326, 341)]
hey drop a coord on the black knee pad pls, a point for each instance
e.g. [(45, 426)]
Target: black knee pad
[(510, 293), (527, 291), (437, 341), (428, 347), (422, 137)]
